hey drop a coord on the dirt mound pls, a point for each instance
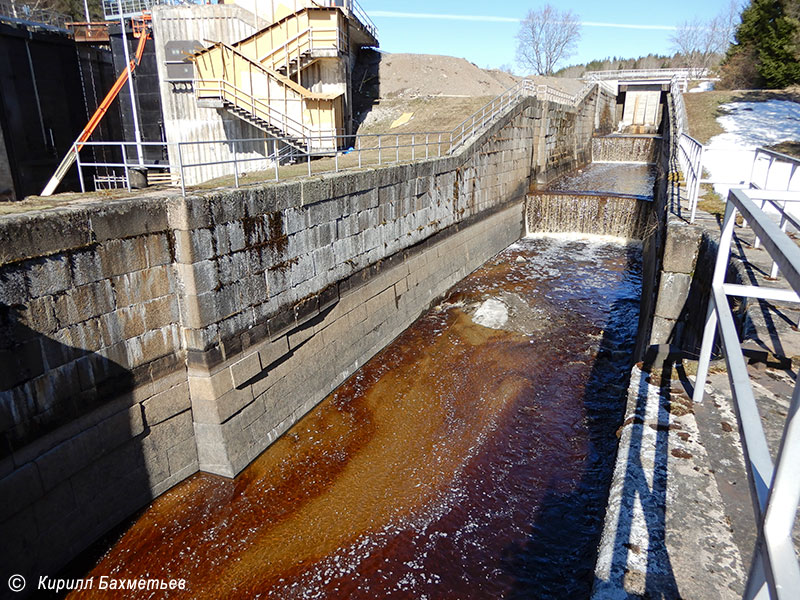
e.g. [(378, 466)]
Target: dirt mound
[(437, 91), (412, 75), (385, 75)]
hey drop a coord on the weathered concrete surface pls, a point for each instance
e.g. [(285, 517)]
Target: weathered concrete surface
[(666, 534), (146, 338), (691, 461)]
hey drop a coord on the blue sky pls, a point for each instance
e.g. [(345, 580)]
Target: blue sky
[(458, 29)]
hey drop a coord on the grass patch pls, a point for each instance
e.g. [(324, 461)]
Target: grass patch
[(792, 148), (431, 113), (710, 201)]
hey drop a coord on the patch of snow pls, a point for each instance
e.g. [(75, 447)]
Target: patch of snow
[(493, 313), (703, 86), (728, 157)]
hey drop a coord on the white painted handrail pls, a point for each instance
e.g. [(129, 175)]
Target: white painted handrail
[(775, 572)]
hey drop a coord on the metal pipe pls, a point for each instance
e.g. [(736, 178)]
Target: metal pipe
[(134, 112)]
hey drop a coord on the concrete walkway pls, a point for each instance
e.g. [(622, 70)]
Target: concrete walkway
[(680, 522)]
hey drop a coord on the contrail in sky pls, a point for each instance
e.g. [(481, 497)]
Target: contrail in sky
[(485, 18)]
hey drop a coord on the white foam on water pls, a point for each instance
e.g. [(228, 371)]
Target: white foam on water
[(493, 313)]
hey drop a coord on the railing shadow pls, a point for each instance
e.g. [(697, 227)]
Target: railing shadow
[(637, 563)]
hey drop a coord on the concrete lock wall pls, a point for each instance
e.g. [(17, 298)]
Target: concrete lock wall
[(144, 339)]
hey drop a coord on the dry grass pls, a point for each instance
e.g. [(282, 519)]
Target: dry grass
[(431, 113), (710, 201), (791, 148), (703, 108)]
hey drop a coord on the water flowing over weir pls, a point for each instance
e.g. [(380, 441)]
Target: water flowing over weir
[(469, 459)]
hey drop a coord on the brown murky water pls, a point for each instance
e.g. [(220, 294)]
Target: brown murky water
[(466, 460)]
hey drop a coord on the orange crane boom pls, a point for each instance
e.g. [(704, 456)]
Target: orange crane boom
[(98, 115)]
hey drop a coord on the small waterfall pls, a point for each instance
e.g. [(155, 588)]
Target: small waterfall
[(625, 148), (622, 216)]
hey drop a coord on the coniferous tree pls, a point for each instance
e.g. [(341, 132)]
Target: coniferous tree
[(767, 48)]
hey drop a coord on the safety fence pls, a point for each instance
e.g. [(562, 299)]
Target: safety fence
[(767, 169), (690, 157), (277, 157), (775, 487)]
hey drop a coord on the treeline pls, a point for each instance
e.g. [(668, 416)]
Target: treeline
[(651, 61)]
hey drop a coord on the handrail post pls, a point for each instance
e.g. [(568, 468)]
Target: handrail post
[(379, 149), (80, 168), (358, 149), (125, 163), (277, 157), (235, 166), (180, 169), (397, 149)]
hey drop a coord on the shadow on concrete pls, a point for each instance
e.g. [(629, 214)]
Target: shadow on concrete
[(72, 460), (642, 509), (366, 84), (46, 383)]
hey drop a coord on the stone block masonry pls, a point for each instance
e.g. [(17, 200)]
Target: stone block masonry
[(144, 339)]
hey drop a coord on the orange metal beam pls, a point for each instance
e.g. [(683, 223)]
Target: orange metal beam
[(113, 92), (71, 156)]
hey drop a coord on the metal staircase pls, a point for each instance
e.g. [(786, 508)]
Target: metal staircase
[(265, 98), (259, 78), (296, 41)]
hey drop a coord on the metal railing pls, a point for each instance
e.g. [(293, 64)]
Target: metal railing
[(365, 151), (305, 42), (681, 118), (21, 12), (775, 488), (489, 112), (262, 110), (134, 8), (690, 157), (664, 74), (362, 150), (769, 170), (353, 8)]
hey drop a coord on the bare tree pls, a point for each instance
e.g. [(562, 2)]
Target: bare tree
[(547, 36), (703, 43)]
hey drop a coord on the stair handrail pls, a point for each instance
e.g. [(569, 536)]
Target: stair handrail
[(525, 87), (297, 45), (304, 92), (272, 51), (352, 7), (240, 98)]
